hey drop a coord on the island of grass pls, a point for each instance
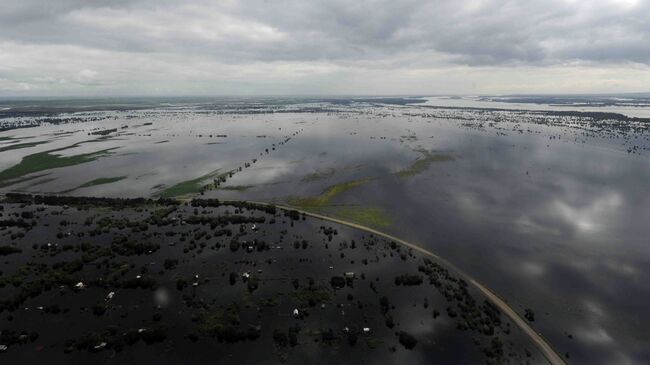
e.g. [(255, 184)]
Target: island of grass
[(47, 160), (20, 145), (236, 187), (374, 217), (368, 216), (194, 186), (95, 182), (328, 194), (186, 187), (422, 163)]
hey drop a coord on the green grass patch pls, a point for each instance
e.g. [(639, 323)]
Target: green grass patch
[(95, 182), (102, 181), (193, 186), (373, 342), (367, 216), (47, 160), (237, 187), (326, 196), (23, 179), (184, 188), (20, 145), (422, 163)]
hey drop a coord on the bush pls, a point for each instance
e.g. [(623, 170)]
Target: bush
[(408, 280), (280, 338), (337, 282), (529, 315), (407, 340), (170, 264), (8, 250)]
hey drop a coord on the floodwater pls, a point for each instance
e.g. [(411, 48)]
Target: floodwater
[(283, 273), (631, 107), (550, 212)]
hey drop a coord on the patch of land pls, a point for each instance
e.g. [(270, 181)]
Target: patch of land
[(236, 187), (95, 182), (17, 146), (368, 216), (422, 163), (194, 186), (47, 160), (328, 194)]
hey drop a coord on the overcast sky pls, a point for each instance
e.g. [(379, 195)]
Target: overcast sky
[(200, 47)]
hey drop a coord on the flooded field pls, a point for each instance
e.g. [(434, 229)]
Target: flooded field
[(546, 208), (158, 281)]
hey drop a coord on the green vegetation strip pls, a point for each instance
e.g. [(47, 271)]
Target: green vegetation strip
[(326, 196), (421, 164), (102, 181), (236, 187), (46, 160), (95, 182), (20, 145), (193, 186), (367, 216)]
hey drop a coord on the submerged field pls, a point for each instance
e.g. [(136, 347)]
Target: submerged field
[(136, 280), (545, 208)]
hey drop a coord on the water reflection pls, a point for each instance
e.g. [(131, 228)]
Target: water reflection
[(558, 225), (558, 229)]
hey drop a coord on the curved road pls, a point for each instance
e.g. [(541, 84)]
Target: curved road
[(542, 345)]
